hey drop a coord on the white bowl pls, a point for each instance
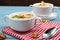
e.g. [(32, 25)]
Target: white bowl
[(20, 25)]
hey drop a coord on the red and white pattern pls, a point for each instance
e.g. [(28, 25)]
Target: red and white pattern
[(40, 29)]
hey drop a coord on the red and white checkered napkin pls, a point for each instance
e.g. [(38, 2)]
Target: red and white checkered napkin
[(40, 29)]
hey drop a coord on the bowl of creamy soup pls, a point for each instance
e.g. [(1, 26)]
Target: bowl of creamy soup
[(21, 21), (42, 8)]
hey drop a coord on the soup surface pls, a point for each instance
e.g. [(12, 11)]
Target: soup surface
[(22, 16), (43, 4)]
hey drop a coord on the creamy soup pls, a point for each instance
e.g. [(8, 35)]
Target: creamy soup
[(43, 4), (22, 16)]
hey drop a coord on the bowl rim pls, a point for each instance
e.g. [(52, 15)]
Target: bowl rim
[(43, 6), (9, 16)]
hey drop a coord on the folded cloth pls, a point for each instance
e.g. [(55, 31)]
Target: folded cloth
[(40, 29)]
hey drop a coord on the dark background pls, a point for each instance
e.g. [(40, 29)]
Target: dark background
[(26, 2)]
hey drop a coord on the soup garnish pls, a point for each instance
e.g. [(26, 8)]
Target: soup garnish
[(43, 4), (22, 16), (16, 16)]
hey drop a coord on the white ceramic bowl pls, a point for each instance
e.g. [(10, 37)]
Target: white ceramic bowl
[(20, 25), (42, 10)]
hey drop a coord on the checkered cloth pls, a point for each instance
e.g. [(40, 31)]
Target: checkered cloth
[(40, 29)]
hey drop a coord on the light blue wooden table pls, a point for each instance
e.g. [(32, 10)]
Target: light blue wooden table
[(5, 10)]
